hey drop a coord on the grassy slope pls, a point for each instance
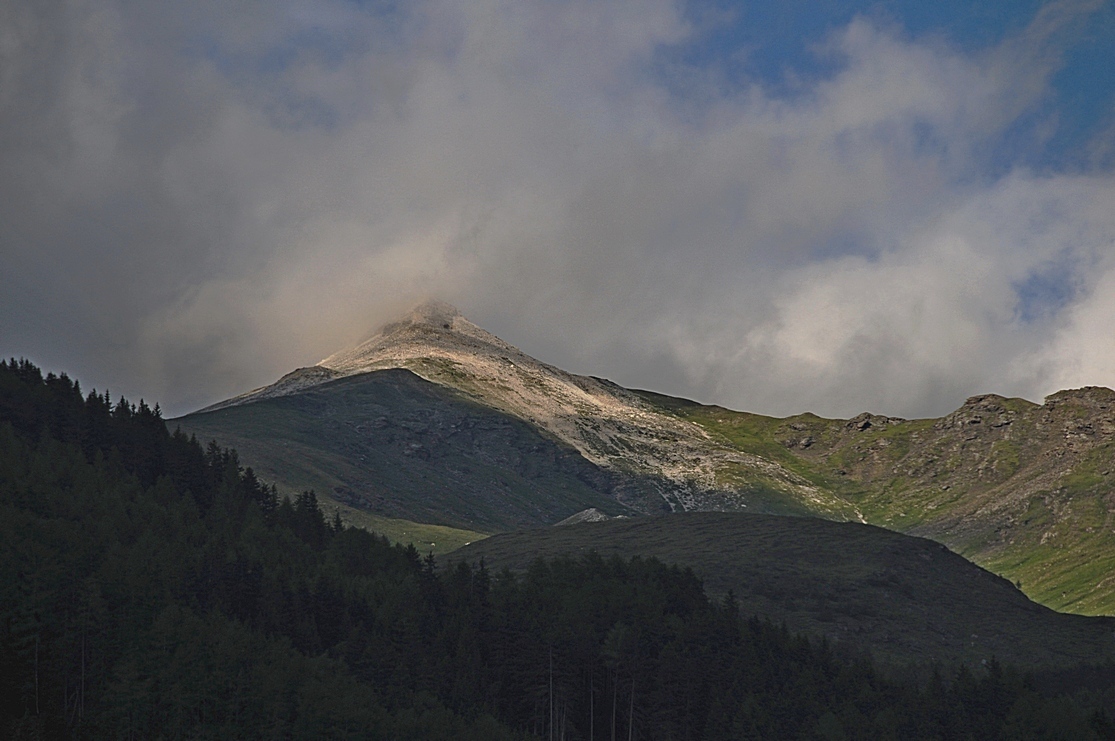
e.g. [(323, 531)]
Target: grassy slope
[(427, 538), (907, 599), (1022, 489)]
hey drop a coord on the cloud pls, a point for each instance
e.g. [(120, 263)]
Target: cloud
[(940, 313), (196, 200)]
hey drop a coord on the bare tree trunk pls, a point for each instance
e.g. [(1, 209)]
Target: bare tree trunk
[(36, 674), (551, 694), (591, 707), (81, 702), (615, 685), (631, 710)]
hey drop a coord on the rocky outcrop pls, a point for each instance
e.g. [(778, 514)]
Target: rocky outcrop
[(592, 514)]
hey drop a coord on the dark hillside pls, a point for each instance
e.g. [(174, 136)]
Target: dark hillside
[(905, 599), (397, 446)]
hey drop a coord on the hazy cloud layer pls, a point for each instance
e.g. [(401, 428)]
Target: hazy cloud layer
[(197, 198)]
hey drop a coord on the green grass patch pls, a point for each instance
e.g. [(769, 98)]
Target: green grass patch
[(1005, 454), (427, 538), (1088, 474), (750, 433)]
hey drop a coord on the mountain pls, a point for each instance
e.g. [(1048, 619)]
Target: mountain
[(613, 428), (406, 451), (910, 599), (1022, 489)]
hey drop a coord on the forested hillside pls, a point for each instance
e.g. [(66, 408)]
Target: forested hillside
[(153, 588)]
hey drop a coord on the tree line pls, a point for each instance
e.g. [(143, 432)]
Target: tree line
[(152, 587)]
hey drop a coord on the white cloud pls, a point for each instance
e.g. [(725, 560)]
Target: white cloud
[(239, 191)]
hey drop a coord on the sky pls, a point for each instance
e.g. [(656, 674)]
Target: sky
[(815, 206)]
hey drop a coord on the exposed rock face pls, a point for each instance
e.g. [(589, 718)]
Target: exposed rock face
[(867, 421), (592, 514)]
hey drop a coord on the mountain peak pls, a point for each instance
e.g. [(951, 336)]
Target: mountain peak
[(610, 426), (433, 311), (430, 314), (431, 329)]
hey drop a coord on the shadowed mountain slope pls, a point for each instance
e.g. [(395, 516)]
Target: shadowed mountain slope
[(905, 599), (399, 447)]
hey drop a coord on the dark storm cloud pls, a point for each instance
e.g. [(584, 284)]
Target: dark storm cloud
[(195, 199)]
